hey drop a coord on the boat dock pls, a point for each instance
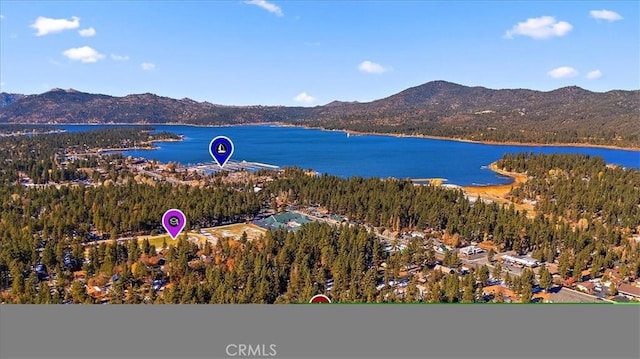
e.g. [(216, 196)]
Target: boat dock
[(232, 166)]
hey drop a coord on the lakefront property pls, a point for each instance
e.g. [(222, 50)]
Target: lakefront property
[(276, 177), (308, 220)]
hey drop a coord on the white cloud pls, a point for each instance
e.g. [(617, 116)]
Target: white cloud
[(272, 8), (542, 27), (304, 98), (119, 57), (607, 15), (147, 66), (563, 72), (87, 32), (1, 16), (595, 74), (46, 25), (84, 54), (371, 67)]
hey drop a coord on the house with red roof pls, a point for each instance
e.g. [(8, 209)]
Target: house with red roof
[(629, 291)]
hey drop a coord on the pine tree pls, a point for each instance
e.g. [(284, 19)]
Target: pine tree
[(435, 293), (545, 278), (483, 275), (430, 255), (412, 293), (18, 285), (508, 281), (30, 288), (527, 292), (44, 295), (468, 295), (78, 292), (452, 288), (490, 255), (497, 272), (564, 265)]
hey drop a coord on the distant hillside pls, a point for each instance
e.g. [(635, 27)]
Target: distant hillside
[(7, 99), (438, 108)]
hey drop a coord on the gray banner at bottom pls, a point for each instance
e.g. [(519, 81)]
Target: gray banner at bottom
[(320, 331)]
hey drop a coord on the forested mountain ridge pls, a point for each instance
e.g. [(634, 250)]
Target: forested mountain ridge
[(7, 99), (437, 108)]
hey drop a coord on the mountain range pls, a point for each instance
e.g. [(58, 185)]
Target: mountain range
[(437, 108)]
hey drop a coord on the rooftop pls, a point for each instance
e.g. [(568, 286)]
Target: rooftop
[(289, 220), (629, 289)]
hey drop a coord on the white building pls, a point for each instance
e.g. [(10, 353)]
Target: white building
[(523, 261)]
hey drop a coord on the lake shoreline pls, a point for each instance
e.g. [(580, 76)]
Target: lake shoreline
[(146, 146), (399, 135), (281, 124), (500, 193), (445, 162)]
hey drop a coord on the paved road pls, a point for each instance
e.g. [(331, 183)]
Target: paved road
[(142, 237), (119, 240), (573, 296)]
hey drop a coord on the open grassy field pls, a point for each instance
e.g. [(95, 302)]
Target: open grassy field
[(157, 240), (234, 231)]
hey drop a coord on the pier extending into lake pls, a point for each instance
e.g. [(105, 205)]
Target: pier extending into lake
[(232, 166)]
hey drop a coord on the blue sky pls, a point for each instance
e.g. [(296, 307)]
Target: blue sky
[(313, 52)]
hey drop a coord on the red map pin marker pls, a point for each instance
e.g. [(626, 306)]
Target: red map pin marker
[(320, 298)]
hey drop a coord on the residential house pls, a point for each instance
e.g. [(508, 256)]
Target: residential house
[(586, 287), (569, 282), (443, 269), (613, 275), (628, 290)]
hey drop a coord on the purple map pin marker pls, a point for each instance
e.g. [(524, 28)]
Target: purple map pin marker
[(174, 221)]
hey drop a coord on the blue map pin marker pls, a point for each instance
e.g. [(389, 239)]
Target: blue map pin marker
[(221, 149)]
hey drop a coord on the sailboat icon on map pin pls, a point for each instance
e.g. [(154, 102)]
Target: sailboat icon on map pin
[(221, 149)]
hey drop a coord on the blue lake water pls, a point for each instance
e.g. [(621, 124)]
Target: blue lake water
[(332, 152)]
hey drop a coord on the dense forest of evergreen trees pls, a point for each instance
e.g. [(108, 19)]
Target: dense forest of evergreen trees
[(40, 226), (40, 156), (478, 131), (578, 187)]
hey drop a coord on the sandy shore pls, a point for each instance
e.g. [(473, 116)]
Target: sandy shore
[(499, 193)]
